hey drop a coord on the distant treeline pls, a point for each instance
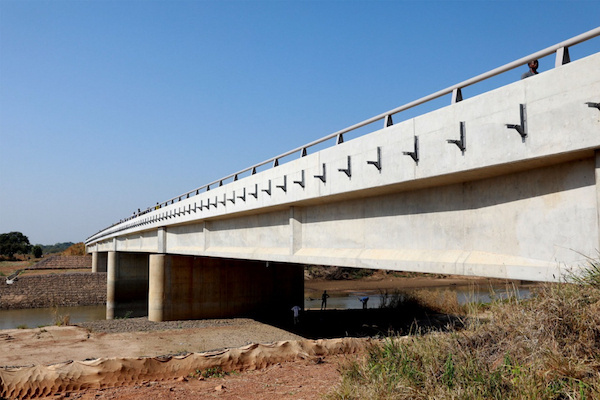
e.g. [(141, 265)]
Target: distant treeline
[(55, 248)]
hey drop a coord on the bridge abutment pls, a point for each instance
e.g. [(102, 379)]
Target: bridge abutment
[(188, 287)]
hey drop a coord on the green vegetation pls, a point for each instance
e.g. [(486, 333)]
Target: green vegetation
[(55, 248), (127, 315), (37, 251), (546, 347), (9, 267), (213, 372), (14, 243)]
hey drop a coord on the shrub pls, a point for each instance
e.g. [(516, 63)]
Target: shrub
[(546, 347), (37, 251)]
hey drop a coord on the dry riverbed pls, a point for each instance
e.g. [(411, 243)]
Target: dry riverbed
[(138, 337)]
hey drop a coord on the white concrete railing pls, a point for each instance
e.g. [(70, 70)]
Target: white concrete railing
[(562, 57)]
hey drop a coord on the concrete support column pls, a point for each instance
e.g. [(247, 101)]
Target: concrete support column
[(99, 261), (94, 262), (111, 283), (597, 175), (126, 284), (156, 287)]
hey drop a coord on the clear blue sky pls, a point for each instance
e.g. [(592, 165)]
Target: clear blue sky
[(110, 106)]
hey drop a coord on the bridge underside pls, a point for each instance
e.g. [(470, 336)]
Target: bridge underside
[(173, 287)]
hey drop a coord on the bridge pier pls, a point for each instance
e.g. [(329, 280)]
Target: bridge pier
[(99, 261), (188, 287), (597, 178), (126, 284)]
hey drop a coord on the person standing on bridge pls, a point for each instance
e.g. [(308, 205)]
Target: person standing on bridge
[(324, 297), (533, 66)]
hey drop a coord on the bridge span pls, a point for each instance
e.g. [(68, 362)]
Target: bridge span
[(505, 184)]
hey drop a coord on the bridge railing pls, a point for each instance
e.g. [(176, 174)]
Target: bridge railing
[(562, 57)]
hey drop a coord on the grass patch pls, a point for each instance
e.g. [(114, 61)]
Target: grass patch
[(7, 268), (127, 315), (546, 347), (213, 372), (445, 301)]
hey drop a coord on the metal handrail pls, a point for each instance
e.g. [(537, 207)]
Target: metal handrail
[(507, 67), (561, 57)]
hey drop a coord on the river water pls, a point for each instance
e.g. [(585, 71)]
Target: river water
[(464, 295), (36, 317)]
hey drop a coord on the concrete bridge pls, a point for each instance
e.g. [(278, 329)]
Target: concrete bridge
[(505, 184)]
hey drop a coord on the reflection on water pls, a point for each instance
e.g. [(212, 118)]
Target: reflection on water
[(464, 294), (32, 318)]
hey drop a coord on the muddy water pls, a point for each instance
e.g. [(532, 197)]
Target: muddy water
[(33, 318)]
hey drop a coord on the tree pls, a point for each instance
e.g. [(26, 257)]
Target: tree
[(14, 243), (37, 251)]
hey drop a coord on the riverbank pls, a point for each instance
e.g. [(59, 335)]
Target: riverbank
[(138, 337)]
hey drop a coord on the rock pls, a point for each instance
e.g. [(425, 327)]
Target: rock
[(219, 388)]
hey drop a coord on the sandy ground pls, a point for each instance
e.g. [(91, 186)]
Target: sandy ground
[(304, 379), (54, 344), (299, 380)]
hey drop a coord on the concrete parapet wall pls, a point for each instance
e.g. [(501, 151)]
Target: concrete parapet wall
[(37, 291)]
